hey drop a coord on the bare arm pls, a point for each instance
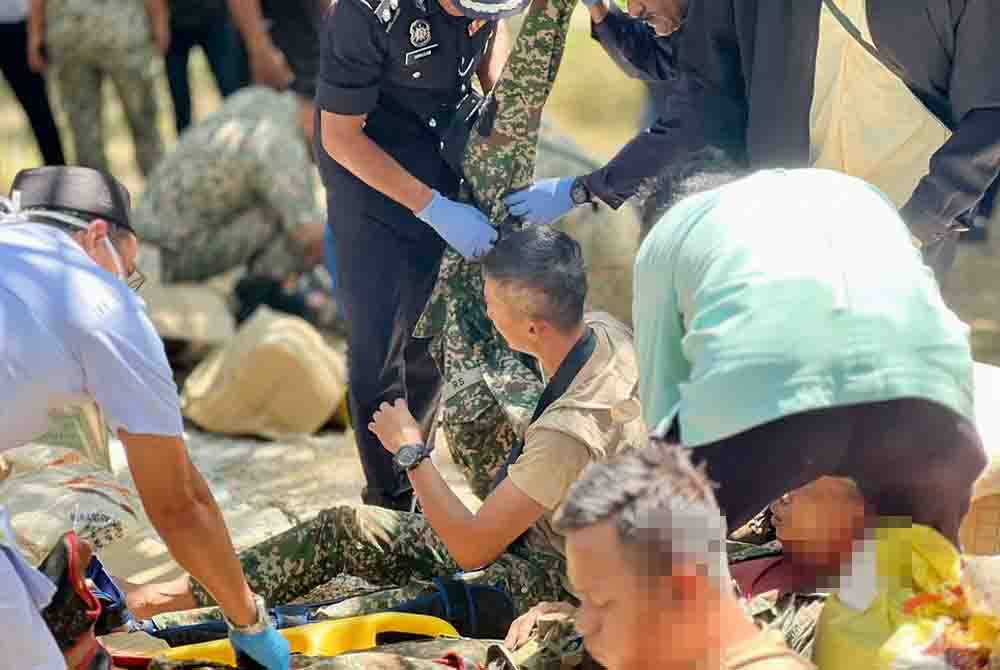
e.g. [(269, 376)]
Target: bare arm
[(159, 21), (472, 539), (36, 36), (267, 63), (492, 66), (185, 514), (344, 139)]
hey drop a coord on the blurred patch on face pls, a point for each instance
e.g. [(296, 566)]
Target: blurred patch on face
[(818, 522), (631, 615)]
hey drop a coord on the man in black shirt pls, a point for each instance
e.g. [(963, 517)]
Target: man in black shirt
[(395, 83), (747, 75)]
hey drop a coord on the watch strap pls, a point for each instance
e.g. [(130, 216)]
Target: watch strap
[(424, 453), (579, 193)]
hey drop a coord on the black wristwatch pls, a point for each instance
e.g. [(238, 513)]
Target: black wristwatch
[(410, 456), (579, 193)]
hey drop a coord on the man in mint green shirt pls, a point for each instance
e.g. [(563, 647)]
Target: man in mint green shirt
[(787, 329)]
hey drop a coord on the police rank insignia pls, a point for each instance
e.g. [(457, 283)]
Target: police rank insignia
[(420, 33)]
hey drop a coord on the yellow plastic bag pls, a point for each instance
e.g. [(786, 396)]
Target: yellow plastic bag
[(903, 563)]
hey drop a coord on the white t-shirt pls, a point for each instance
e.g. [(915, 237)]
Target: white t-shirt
[(24, 591), (13, 11), (68, 330)]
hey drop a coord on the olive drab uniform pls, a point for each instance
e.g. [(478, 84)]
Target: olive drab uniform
[(407, 65), (89, 41), (234, 191)]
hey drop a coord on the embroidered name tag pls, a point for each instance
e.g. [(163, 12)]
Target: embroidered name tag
[(419, 54)]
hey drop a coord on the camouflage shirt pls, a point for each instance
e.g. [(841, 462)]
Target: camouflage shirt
[(249, 155)]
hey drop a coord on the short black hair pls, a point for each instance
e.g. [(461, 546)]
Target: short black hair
[(662, 507), (703, 170), (547, 266)]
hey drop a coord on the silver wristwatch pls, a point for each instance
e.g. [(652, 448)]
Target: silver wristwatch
[(263, 620)]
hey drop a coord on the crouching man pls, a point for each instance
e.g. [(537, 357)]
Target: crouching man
[(535, 289), (645, 546)]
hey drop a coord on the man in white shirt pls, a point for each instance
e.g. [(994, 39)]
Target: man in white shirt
[(70, 327)]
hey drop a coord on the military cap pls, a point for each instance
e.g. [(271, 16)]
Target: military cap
[(78, 189)]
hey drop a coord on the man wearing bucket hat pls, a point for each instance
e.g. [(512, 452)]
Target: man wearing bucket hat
[(70, 327), (396, 101)]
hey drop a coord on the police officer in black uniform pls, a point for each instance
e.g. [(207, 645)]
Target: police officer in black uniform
[(395, 82)]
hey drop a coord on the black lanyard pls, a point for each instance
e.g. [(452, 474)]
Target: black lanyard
[(564, 376)]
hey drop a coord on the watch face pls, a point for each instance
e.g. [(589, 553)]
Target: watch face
[(408, 455)]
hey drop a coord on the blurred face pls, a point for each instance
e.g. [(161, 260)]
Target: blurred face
[(818, 522), (663, 16), (632, 621), (519, 332)]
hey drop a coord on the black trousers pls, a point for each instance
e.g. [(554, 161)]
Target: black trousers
[(912, 459), (387, 265), (29, 88), (220, 41)]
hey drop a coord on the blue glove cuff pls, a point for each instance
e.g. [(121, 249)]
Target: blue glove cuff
[(426, 214)]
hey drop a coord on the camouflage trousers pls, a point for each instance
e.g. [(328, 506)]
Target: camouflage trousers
[(539, 653), (80, 81), (255, 238), (384, 547)]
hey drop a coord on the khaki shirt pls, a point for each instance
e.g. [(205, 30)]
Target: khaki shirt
[(597, 416), (765, 651)]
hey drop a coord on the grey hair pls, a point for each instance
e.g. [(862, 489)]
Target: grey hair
[(663, 508), (541, 270)]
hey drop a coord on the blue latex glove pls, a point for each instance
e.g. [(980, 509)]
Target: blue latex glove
[(463, 227), (269, 648), (542, 202)]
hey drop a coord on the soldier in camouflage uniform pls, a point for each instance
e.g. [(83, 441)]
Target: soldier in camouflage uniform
[(89, 41), (237, 190), (536, 287), (489, 390)]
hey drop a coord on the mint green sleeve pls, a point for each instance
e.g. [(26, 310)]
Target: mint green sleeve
[(659, 328)]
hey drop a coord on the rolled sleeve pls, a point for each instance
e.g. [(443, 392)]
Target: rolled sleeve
[(352, 57), (635, 47)]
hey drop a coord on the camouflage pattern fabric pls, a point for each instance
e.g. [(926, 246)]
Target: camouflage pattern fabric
[(90, 41), (489, 391), (384, 547), (233, 192), (794, 614), (744, 551)]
